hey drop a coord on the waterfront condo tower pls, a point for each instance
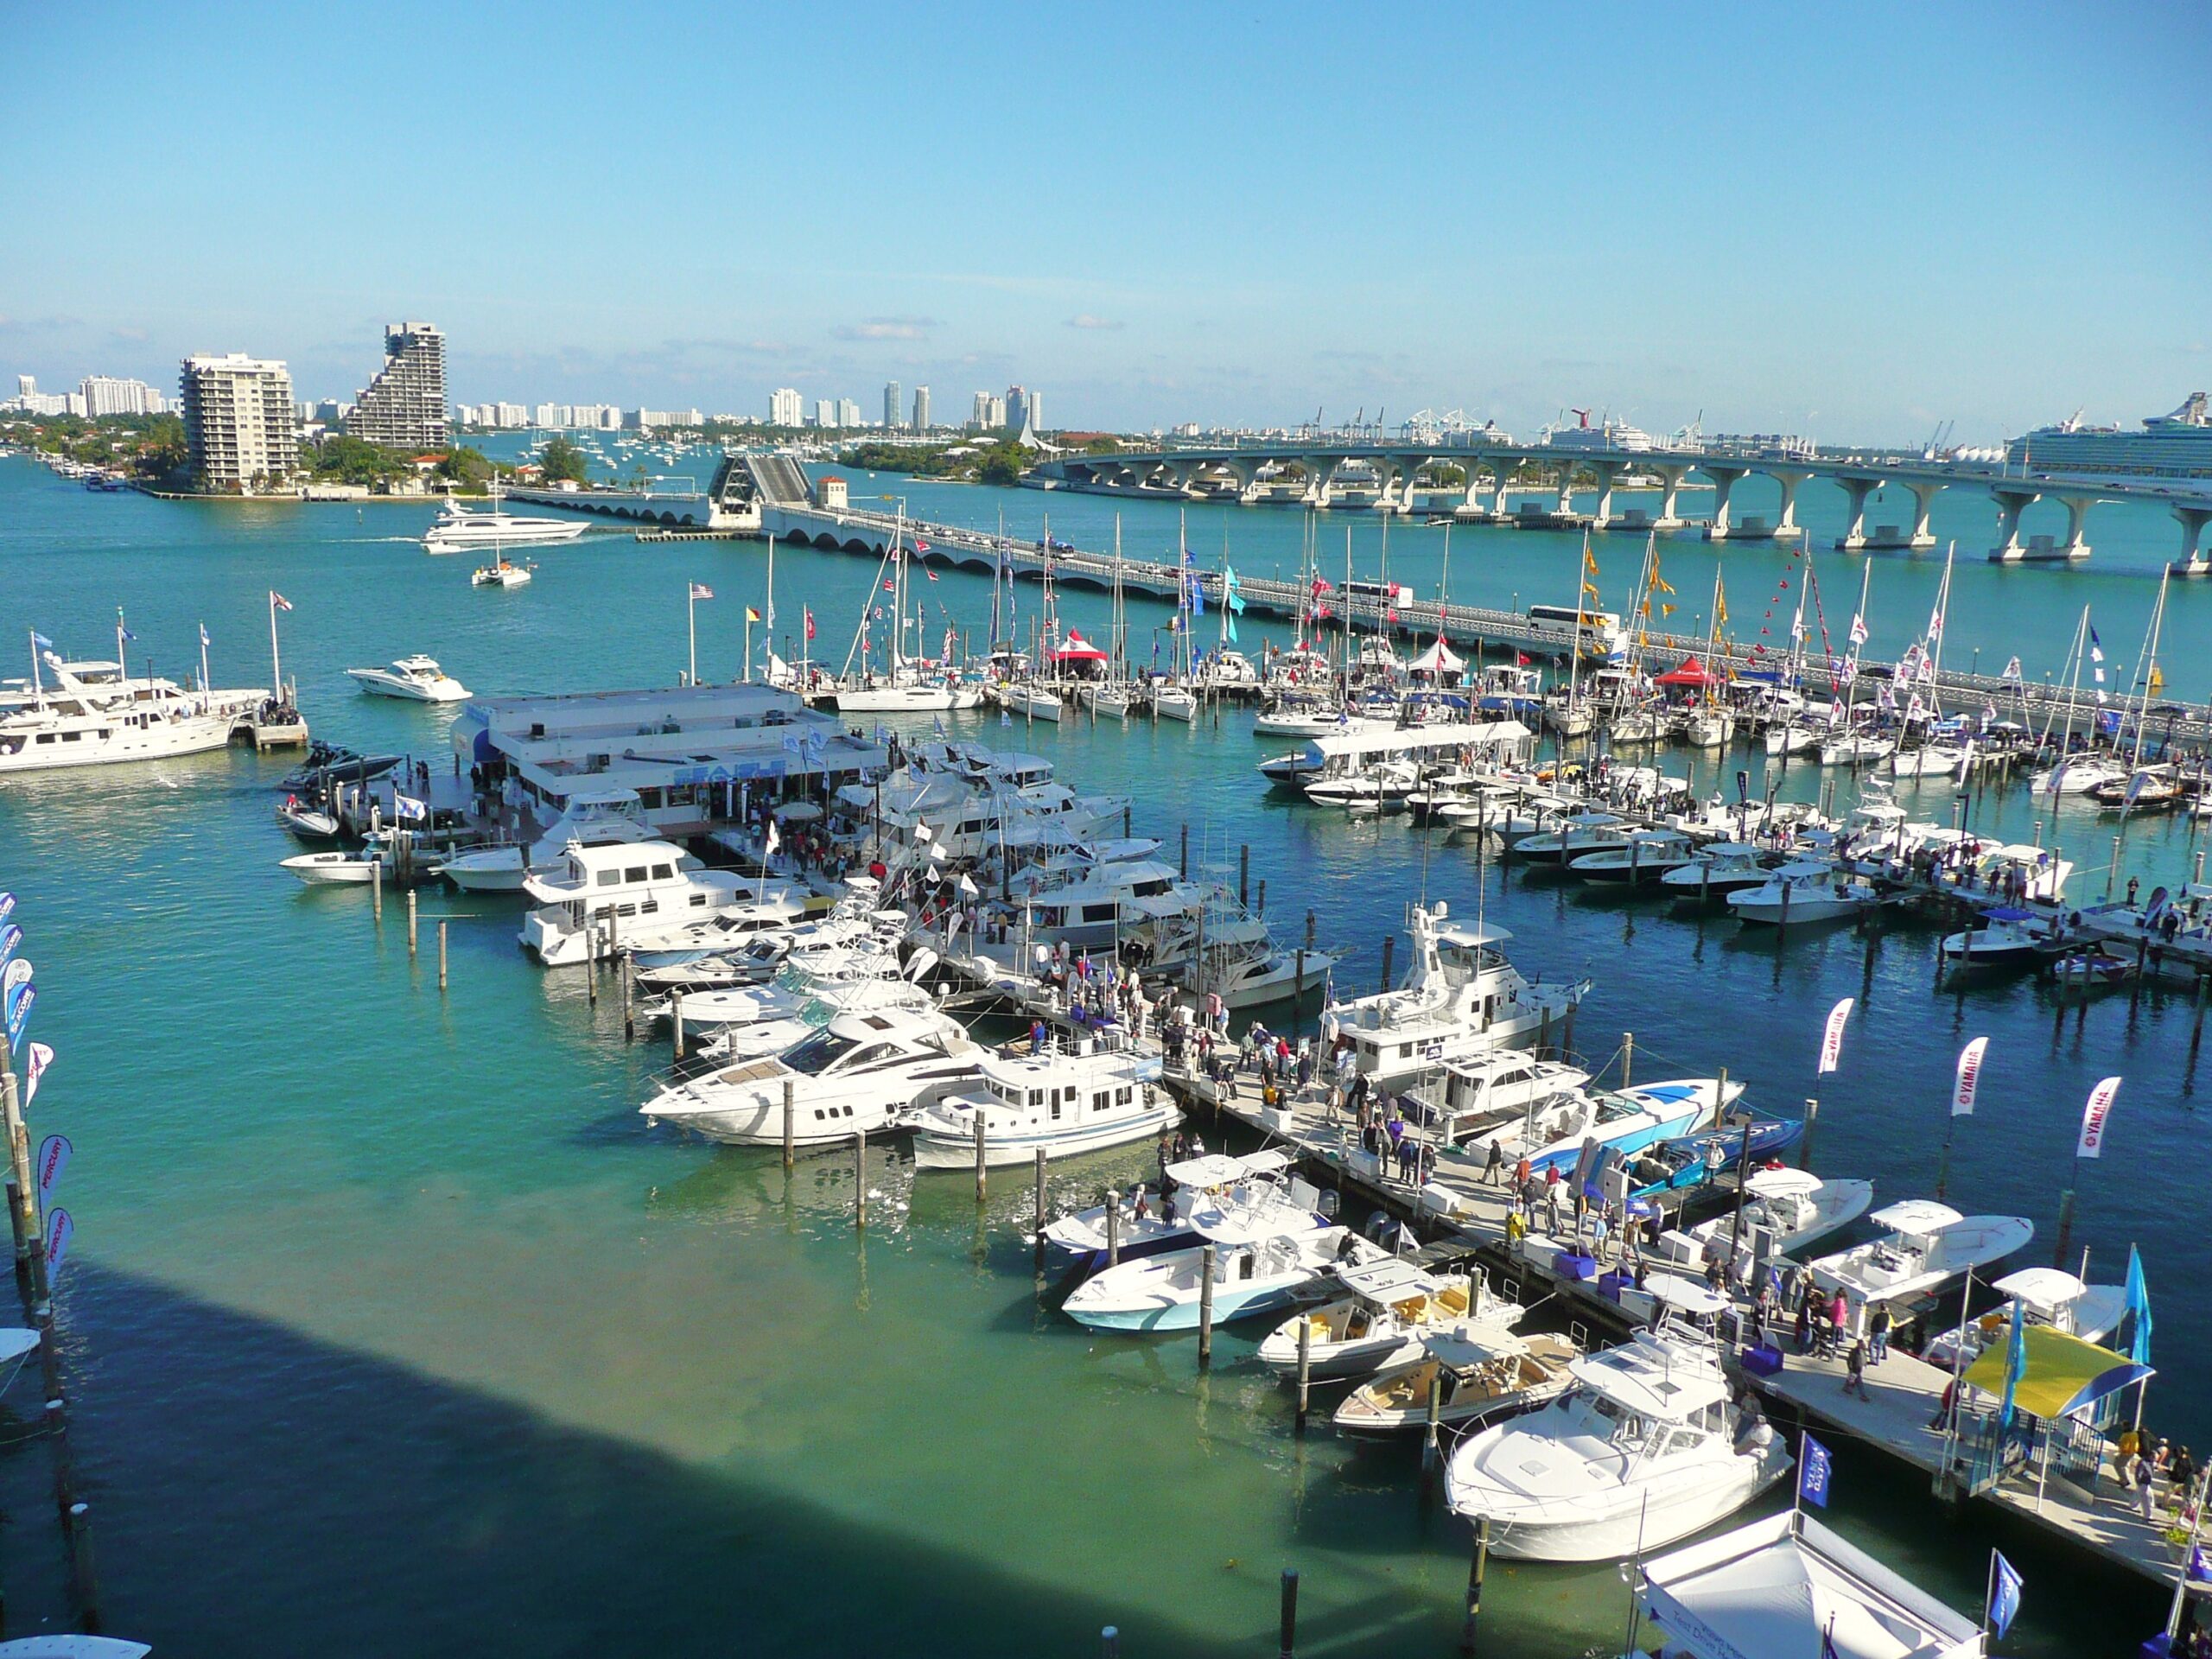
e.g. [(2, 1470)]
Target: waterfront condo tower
[(238, 424), (404, 407), (891, 404), (921, 409)]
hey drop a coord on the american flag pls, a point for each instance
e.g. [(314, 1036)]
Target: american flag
[(700, 590)]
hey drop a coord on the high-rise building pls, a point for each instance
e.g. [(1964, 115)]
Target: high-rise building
[(825, 411), (849, 414), (979, 417), (784, 407), (404, 407), (921, 409), (1010, 416), (237, 421), (104, 394), (890, 403), (1032, 412), (27, 386)]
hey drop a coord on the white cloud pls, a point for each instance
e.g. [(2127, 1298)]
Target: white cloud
[(1085, 319), (888, 328)]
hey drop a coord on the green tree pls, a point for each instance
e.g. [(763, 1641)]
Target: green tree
[(1003, 465), (562, 460), (465, 465)]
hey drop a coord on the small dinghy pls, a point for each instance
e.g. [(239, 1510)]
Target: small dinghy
[(332, 869)]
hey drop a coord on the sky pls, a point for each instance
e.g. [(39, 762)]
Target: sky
[(1848, 222)]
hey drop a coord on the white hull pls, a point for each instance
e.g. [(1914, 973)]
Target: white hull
[(935, 1150), (103, 745), (332, 869), (378, 683), (1033, 705), (907, 700), (1675, 1510), (1175, 705)]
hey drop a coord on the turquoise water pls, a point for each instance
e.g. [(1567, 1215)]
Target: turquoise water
[(392, 1327)]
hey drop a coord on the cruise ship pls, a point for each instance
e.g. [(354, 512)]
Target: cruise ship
[(2179, 445), (1608, 435)]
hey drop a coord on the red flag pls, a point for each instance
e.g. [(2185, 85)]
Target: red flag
[(810, 621), (1520, 659), (920, 546), (890, 587), (931, 574)]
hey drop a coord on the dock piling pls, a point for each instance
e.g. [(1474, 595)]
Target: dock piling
[(1436, 1416), (57, 1431), (860, 1179), (442, 951), (1244, 876), (83, 1581), (1205, 1303), (376, 891), (410, 924), (1305, 1368), (1184, 866), (1040, 1200), (2196, 1020), (1476, 1570), (1263, 909), (1628, 1058), (629, 1015), (1114, 1241), (1289, 1613), (979, 1157), (2065, 1228), (676, 1018), (1805, 1146), (790, 1115)]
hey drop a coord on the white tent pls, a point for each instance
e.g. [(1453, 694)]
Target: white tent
[(1775, 1589), (1437, 659)]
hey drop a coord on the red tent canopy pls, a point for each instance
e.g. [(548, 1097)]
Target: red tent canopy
[(1691, 672), (1079, 650)]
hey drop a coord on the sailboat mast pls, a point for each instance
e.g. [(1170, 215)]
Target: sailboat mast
[(2143, 707)]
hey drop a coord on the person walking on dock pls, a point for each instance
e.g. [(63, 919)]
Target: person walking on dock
[(1878, 1331), (1855, 1363), (2144, 1475), (1494, 1171)]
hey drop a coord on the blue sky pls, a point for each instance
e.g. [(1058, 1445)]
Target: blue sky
[(1849, 221)]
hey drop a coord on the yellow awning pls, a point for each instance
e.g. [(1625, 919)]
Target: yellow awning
[(2063, 1373)]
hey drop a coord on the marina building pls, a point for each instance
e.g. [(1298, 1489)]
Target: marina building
[(921, 409), (106, 394), (890, 404), (237, 421), (689, 751), (404, 407), (784, 407)]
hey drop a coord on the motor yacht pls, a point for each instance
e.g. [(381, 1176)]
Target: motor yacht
[(1803, 892), (765, 1033), (1484, 1374), (417, 678), (458, 530), (1253, 1274), (1717, 869), (2008, 938), (1676, 1163), (1925, 1245), (1795, 1208), (81, 723), (1081, 1098), (2048, 1296), (1262, 1188), (1646, 857), (1389, 1309), (1646, 1447), (592, 819), (1459, 997), (604, 899), (1576, 835), (861, 1072)]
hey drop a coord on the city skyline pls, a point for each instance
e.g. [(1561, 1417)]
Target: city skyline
[(1541, 229)]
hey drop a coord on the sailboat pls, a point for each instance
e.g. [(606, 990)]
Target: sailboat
[(1110, 697), (1172, 698), (905, 686), (1933, 758)]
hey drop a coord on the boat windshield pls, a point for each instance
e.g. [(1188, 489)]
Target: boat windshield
[(1629, 1430), (819, 1052)]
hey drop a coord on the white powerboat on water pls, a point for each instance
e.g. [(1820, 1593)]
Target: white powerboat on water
[(605, 898), (2008, 938), (2048, 1296), (457, 529), (1392, 1308), (593, 818), (1719, 869), (1647, 856), (87, 723), (861, 1073), (1252, 1273), (307, 822), (1925, 1245), (417, 678), (1096, 1094), (1795, 1208), (1646, 1447), (1807, 890), (1459, 997), (1211, 1183), (332, 869), (501, 574), (1483, 1373)]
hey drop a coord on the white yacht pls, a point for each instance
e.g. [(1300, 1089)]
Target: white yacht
[(1924, 1246), (1212, 1184), (501, 573), (911, 691), (457, 529), (1647, 856), (1459, 997), (2048, 1296), (81, 724), (1795, 1207), (1646, 1448), (1031, 700), (763, 1035), (1253, 1273), (1719, 868), (625, 890), (2009, 937), (1575, 835), (1105, 904), (592, 819), (1172, 702), (418, 678), (1390, 1308), (861, 1071), (1067, 1100), (2077, 774), (1805, 891), (1483, 1373), (1553, 1130)]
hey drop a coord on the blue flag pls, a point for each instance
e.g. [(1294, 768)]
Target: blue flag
[(2139, 1309), (2016, 1365), (19, 1015), (2003, 1593), (1815, 1467), (10, 936), (204, 640), (40, 640)]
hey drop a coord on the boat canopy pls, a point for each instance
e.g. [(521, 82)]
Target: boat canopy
[(1214, 1169), (1691, 672), (2064, 1374), (1389, 1280), (1466, 1346), (1687, 1295), (1786, 1587), (1438, 658), (1079, 650), (1783, 1184), (1461, 936), (1919, 1217), (2041, 1288)]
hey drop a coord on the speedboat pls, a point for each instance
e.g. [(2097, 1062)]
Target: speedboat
[(1646, 1447), (2048, 1296), (1716, 871), (1459, 997), (861, 1072), (1925, 1246), (812, 1009), (332, 869), (328, 760), (1305, 720), (1647, 856), (1483, 1373), (1576, 835), (1687, 1160), (1374, 789), (417, 678), (1085, 1099), (1392, 1308), (1795, 1207), (1807, 890), (307, 822), (1252, 1275), (1554, 1131), (500, 574), (2092, 968), (1213, 1184), (2009, 938)]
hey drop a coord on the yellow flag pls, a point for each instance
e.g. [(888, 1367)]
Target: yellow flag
[(2157, 680), (1720, 605), (1589, 560), (1659, 582), (1666, 610)]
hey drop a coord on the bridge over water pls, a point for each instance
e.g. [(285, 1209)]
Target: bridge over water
[(1256, 473)]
